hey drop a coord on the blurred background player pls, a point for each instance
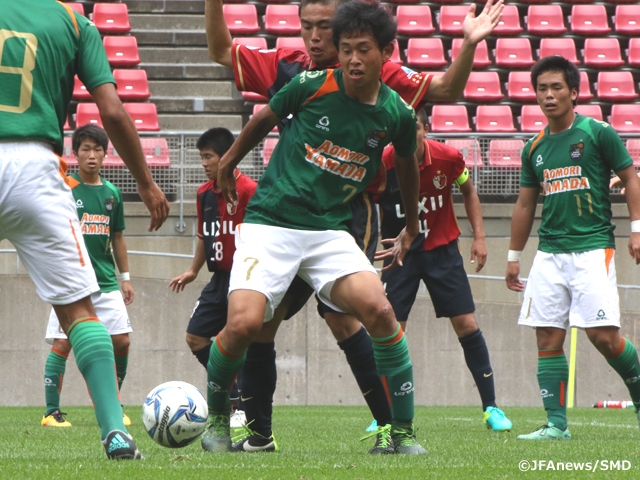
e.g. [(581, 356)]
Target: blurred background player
[(101, 215), (267, 71), (435, 255), (572, 281), (41, 53)]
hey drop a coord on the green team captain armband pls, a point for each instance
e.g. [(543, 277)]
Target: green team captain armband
[(463, 177)]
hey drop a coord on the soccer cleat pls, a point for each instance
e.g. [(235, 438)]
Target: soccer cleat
[(55, 419), (496, 420), (238, 419), (404, 440), (120, 446), (547, 432), (217, 437), (384, 443), (373, 427)]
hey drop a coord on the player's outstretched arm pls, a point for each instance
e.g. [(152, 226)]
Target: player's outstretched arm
[(123, 134), (474, 214), (178, 283), (521, 223), (253, 132), (475, 29), (218, 36), (119, 249), (631, 184)]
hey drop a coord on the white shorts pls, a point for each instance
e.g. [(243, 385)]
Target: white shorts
[(572, 289), (110, 309), (38, 216), (267, 259)]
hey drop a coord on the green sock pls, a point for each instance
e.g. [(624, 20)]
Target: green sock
[(53, 374), (222, 369), (121, 368), (396, 372), (553, 375), (94, 355), (626, 364)]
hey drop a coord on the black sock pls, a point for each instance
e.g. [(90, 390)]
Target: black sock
[(203, 355), (359, 352), (257, 382), (476, 355)]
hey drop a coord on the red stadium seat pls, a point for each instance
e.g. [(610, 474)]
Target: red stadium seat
[(509, 23), (111, 18), (633, 52), (67, 152), (451, 18), (241, 19), (293, 43), (627, 20), (602, 53), (132, 84), (593, 111), (267, 149), (144, 115), (156, 152), (404, 1), (545, 20), (121, 51), (633, 146), (589, 20), (425, 53), (112, 158), (80, 92), (88, 113), (66, 126), (259, 106), (257, 43), (481, 56), (559, 46), (414, 20), (254, 97), (395, 55), (449, 118), (77, 6), (513, 53), (505, 153), (532, 119), (470, 150), (282, 20), (519, 87), (483, 87), (494, 118), (616, 86), (585, 87), (625, 118)]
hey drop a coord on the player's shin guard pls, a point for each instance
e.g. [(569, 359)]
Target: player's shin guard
[(626, 364), (222, 369), (122, 361), (359, 352), (396, 372), (476, 354), (553, 375), (53, 374), (257, 386), (94, 355)]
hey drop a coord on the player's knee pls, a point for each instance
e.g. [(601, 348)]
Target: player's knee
[(62, 346), (121, 344), (196, 342)]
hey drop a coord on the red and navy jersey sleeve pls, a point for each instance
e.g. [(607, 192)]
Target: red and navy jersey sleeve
[(199, 205), (411, 86)]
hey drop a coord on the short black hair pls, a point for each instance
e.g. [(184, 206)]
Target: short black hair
[(361, 17), (89, 132), (557, 63), (217, 139), (422, 116), (337, 3)]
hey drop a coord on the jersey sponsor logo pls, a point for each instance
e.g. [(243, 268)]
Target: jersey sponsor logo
[(321, 158), (374, 137), (538, 160), (576, 150), (108, 203), (95, 224), (79, 204), (423, 208), (440, 181), (323, 124), (213, 229), (566, 179)]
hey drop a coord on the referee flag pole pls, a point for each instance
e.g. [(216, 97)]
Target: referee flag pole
[(572, 368)]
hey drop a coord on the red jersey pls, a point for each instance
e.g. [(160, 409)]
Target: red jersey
[(267, 71), (217, 221), (442, 165)]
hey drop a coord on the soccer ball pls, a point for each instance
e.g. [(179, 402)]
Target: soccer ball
[(174, 414)]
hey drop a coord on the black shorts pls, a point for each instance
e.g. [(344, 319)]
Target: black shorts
[(442, 271), (210, 313)]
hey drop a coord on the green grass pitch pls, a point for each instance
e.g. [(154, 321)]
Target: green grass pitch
[(323, 443)]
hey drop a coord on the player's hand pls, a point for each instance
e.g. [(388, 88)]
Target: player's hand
[(177, 284), (634, 247), (479, 252), (127, 292), (227, 184), (513, 282), (156, 203), (399, 248), (475, 29)]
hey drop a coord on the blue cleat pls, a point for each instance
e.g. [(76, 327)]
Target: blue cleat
[(495, 419)]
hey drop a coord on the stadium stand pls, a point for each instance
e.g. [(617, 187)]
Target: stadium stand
[(267, 149), (627, 20), (513, 53), (494, 118), (593, 111), (505, 153), (633, 52), (414, 20), (589, 20), (532, 119), (509, 23), (87, 113), (121, 51), (425, 53), (132, 85), (602, 53), (470, 150), (282, 20), (483, 87), (254, 42), (545, 20), (625, 118), (481, 57), (585, 92), (451, 18), (559, 46), (77, 6), (633, 145), (144, 115), (519, 87), (294, 43), (449, 118), (242, 19), (616, 86), (111, 18)]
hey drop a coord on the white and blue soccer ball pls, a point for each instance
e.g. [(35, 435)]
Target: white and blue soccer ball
[(175, 414)]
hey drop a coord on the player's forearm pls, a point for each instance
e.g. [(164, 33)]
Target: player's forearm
[(119, 249), (218, 37), (521, 224), (199, 257), (451, 85), (473, 209), (408, 180)]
